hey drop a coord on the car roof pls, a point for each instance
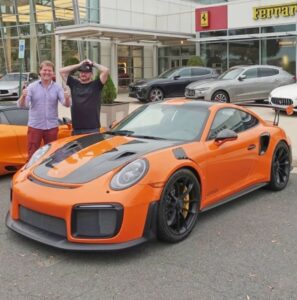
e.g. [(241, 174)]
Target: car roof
[(190, 103), (252, 66)]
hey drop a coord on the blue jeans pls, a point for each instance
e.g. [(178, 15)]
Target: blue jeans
[(84, 131)]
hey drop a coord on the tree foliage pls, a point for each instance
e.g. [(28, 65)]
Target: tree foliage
[(195, 61)]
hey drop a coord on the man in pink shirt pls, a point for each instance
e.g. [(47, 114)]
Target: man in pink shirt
[(41, 97)]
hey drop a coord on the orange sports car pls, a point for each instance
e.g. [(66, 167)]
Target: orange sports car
[(13, 137), (150, 176)]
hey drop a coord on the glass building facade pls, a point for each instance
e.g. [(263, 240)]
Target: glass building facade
[(250, 46), (35, 21)]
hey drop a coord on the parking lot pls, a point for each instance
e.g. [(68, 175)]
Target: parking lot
[(245, 249)]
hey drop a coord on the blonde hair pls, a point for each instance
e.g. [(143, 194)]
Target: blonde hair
[(47, 63)]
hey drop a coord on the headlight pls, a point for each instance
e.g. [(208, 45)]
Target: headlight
[(37, 155), (129, 175), (202, 89), (142, 86)]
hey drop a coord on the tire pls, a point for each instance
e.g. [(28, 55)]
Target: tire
[(155, 94), (280, 167), (220, 96), (179, 207)]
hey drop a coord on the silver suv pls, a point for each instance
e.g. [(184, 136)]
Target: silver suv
[(240, 83)]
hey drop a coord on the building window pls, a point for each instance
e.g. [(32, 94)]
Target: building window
[(279, 52)]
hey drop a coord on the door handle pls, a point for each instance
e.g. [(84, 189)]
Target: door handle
[(251, 147)]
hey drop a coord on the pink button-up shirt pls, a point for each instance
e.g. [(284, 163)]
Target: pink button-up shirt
[(43, 104)]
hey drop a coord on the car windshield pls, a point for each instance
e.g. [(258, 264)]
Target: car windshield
[(230, 74), (168, 73), (13, 77), (164, 121)]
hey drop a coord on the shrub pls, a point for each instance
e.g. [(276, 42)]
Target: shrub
[(195, 61), (109, 92)]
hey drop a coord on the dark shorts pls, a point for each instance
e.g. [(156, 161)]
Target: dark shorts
[(84, 131), (36, 136)]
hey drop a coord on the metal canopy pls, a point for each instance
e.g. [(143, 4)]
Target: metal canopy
[(120, 34)]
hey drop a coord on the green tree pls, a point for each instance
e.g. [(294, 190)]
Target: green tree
[(195, 61)]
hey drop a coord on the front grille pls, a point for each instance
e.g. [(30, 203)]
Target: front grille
[(2, 92), (281, 101), (190, 92), (43, 222), (132, 88)]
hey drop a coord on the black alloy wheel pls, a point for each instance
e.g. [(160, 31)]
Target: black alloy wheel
[(156, 94), (220, 96), (179, 206), (280, 167)]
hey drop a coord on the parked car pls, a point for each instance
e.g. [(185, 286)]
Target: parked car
[(13, 137), (151, 175), (9, 84), (171, 83), (240, 83), (284, 96)]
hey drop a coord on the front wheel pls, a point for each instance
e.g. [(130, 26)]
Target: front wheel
[(179, 206), (220, 96), (280, 167), (156, 94)]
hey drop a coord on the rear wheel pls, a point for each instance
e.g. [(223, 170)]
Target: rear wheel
[(280, 167), (220, 96), (156, 94), (179, 206)]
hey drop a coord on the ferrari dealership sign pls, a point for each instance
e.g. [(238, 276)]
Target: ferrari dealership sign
[(275, 11)]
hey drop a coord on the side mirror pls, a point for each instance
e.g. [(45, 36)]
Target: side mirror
[(176, 77), (224, 136), (241, 77)]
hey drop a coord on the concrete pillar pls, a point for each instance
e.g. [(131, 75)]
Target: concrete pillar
[(114, 63), (155, 61), (33, 40), (58, 58)]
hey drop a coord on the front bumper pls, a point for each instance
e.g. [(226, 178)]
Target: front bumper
[(140, 94), (60, 242), (199, 95), (59, 239)]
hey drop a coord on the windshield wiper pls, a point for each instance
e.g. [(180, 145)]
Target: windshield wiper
[(120, 132), (148, 137)]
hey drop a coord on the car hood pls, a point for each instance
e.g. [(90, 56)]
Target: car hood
[(8, 84), (205, 83), (151, 81), (285, 91), (91, 156)]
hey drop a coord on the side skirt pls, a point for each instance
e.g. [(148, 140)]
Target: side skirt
[(236, 195)]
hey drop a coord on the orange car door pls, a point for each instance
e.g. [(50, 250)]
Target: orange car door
[(9, 148), (21, 135), (230, 164)]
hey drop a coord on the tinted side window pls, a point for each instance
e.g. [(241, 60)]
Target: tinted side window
[(251, 73), (185, 73), (227, 118), (17, 116), (200, 72), (264, 72)]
